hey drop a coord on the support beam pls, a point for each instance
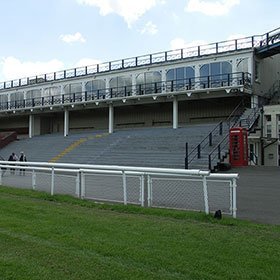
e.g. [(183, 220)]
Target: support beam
[(175, 112), (66, 122), (111, 118), (31, 126)]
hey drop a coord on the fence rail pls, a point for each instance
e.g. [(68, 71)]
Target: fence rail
[(148, 187)]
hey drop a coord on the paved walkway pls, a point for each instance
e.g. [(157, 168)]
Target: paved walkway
[(258, 194)]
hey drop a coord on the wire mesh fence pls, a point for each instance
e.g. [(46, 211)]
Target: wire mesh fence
[(190, 190)]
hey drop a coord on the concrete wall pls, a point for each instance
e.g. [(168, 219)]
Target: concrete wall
[(15, 123)]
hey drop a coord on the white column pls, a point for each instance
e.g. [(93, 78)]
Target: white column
[(133, 84), (66, 122), (197, 76), (175, 112), (163, 80), (61, 92), (31, 126), (111, 118), (83, 90), (107, 85)]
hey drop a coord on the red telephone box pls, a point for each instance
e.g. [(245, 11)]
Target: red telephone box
[(238, 146)]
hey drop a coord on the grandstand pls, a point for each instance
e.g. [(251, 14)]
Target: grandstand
[(143, 110)]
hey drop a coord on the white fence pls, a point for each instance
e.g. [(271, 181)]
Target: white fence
[(149, 187)]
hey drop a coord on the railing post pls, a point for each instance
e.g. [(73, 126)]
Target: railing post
[(234, 209), (124, 188), (198, 151), (78, 184), (149, 186), (33, 178), (205, 195), (52, 182), (83, 187), (142, 190), (209, 162), (210, 139), (221, 128), (1, 176), (219, 152), (186, 156)]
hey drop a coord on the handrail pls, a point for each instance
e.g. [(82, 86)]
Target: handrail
[(225, 141), (159, 87), (255, 41), (203, 142)]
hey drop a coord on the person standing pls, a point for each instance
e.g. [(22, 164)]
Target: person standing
[(22, 158), (13, 157)]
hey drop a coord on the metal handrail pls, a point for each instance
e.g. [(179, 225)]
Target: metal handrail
[(196, 152), (255, 41), (159, 87), (250, 120)]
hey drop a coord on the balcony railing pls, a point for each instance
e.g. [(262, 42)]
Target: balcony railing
[(155, 88), (150, 59)]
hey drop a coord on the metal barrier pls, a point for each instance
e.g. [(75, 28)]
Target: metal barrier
[(149, 187)]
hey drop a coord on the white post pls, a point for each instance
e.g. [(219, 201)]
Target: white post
[(66, 122), (52, 182), (61, 91), (33, 180), (124, 188), (111, 118), (1, 175), (83, 185), (107, 86), (197, 76), (163, 81), (78, 184), (149, 181), (205, 193), (175, 112), (83, 90), (133, 84), (234, 209), (142, 186), (31, 126)]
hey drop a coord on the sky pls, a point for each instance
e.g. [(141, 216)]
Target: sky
[(43, 36)]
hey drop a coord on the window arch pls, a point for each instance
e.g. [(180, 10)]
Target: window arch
[(148, 82), (121, 86), (180, 78), (96, 89)]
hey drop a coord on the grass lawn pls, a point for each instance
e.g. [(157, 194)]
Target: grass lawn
[(44, 237)]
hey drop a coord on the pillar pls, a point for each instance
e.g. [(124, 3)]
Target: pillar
[(66, 122), (107, 86), (163, 80), (133, 84), (197, 76), (175, 112), (111, 118), (31, 126), (83, 90)]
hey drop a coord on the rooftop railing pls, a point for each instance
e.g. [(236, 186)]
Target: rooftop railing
[(149, 59)]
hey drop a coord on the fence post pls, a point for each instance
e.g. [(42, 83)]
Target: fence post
[(33, 180), (82, 185), (52, 182), (1, 175), (205, 194), (149, 185), (124, 188), (209, 162), (142, 188), (221, 128), (198, 151), (78, 184), (234, 185), (186, 156)]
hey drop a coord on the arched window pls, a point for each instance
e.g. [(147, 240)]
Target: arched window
[(215, 74), (51, 91), (121, 86), (16, 99), (180, 78), (74, 91), (34, 93), (96, 89), (149, 82), (3, 101)]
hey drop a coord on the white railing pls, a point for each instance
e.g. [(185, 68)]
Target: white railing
[(149, 187)]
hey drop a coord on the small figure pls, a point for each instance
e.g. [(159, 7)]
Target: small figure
[(22, 158), (13, 157)]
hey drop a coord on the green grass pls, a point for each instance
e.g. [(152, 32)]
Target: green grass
[(44, 237)]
